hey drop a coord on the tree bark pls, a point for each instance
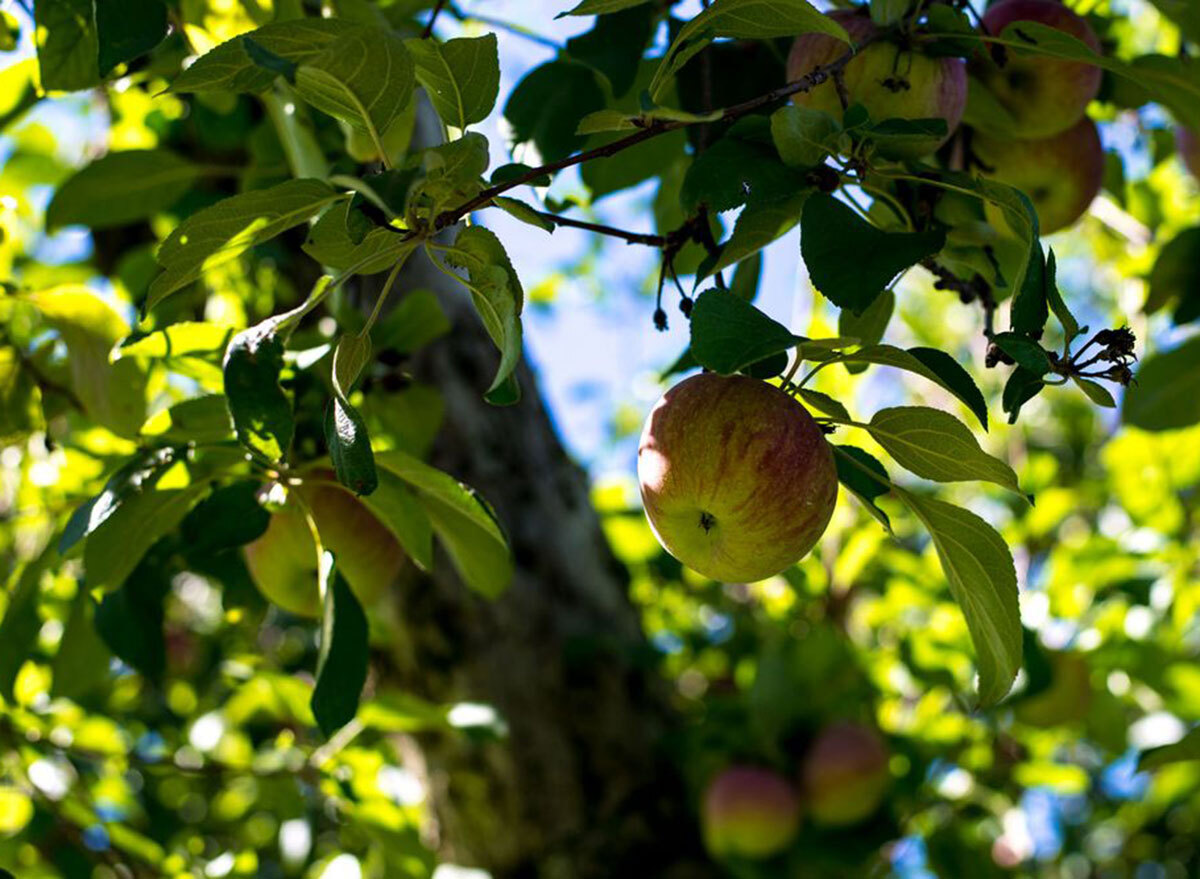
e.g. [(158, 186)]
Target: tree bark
[(581, 786)]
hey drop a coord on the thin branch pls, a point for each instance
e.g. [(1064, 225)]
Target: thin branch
[(652, 129), (631, 237), (437, 10)]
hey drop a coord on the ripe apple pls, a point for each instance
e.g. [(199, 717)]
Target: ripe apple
[(1061, 174), (1066, 700), (283, 561), (737, 479), (891, 81), (845, 774), (1188, 145), (749, 812), (1045, 96)]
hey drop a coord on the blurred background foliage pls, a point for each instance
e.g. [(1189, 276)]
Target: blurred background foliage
[(195, 753)]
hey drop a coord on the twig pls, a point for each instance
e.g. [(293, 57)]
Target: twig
[(652, 129), (625, 235), (428, 32)]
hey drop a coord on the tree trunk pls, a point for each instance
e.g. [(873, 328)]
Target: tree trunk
[(581, 786)]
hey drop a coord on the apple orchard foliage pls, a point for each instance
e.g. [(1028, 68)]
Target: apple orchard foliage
[(199, 409)]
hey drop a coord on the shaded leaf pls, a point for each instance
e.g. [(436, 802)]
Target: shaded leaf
[(937, 366), (120, 188), (461, 76), (729, 334), (261, 411), (342, 660), (865, 478), (1163, 395)]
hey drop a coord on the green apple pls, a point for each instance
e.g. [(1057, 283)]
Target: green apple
[(845, 774), (1044, 96), (749, 812), (891, 81), (1188, 145), (737, 479), (283, 561), (1061, 174), (1066, 700)]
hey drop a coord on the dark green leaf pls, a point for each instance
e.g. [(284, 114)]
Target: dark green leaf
[(614, 46), (548, 103), (20, 626), (136, 476), (67, 46), (81, 665), (350, 446), (1066, 320), (865, 478), (1031, 305), (1021, 387), (342, 661), (365, 77), (269, 61), (128, 29), (869, 326), (1163, 395), (416, 321), (120, 188), (229, 517), (1026, 352), (804, 137), (740, 168), (1176, 277), (130, 620), (983, 581), (261, 411), (834, 241), (1097, 393), (937, 366), (757, 226), (729, 334), (745, 278), (461, 77)]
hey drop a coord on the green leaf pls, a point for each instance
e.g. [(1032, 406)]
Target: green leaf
[(548, 103), (518, 209), (615, 45), (1185, 750), (135, 477), (1097, 393), (127, 29), (495, 291), (906, 137), (745, 280), (130, 620), (342, 660), (351, 356), (67, 45), (463, 522), (397, 507), (20, 626), (1066, 320), (757, 226), (1026, 352), (870, 326), (1031, 304), (1163, 395), (742, 20), (229, 517), (1176, 277), (218, 234), (116, 547), (330, 244), (461, 77), (823, 403), (804, 137), (740, 168), (729, 334), (833, 241), (983, 581), (261, 411), (936, 445), (453, 173), (228, 67), (365, 78), (114, 395), (416, 321), (865, 478), (81, 665), (1021, 387), (184, 339), (350, 446), (937, 366)]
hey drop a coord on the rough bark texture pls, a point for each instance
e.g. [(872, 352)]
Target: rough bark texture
[(581, 786)]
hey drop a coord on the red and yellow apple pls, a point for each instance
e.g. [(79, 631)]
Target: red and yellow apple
[(283, 561), (1188, 145), (845, 774), (1061, 174), (891, 81), (749, 812), (1044, 96), (737, 479)]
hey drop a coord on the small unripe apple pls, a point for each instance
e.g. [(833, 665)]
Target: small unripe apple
[(1044, 96), (891, 81), (845, 774), (749, 812), (737, 479), (1061, 174), (1066, 700), (283, 561), (1188, 145)]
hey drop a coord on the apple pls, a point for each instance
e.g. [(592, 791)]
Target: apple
[(1188, 145), (1044, 96), (1060, 174), (749, 812), (891, 81), (737, 479), (283, 561), (845, 774), (1066, 700)]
